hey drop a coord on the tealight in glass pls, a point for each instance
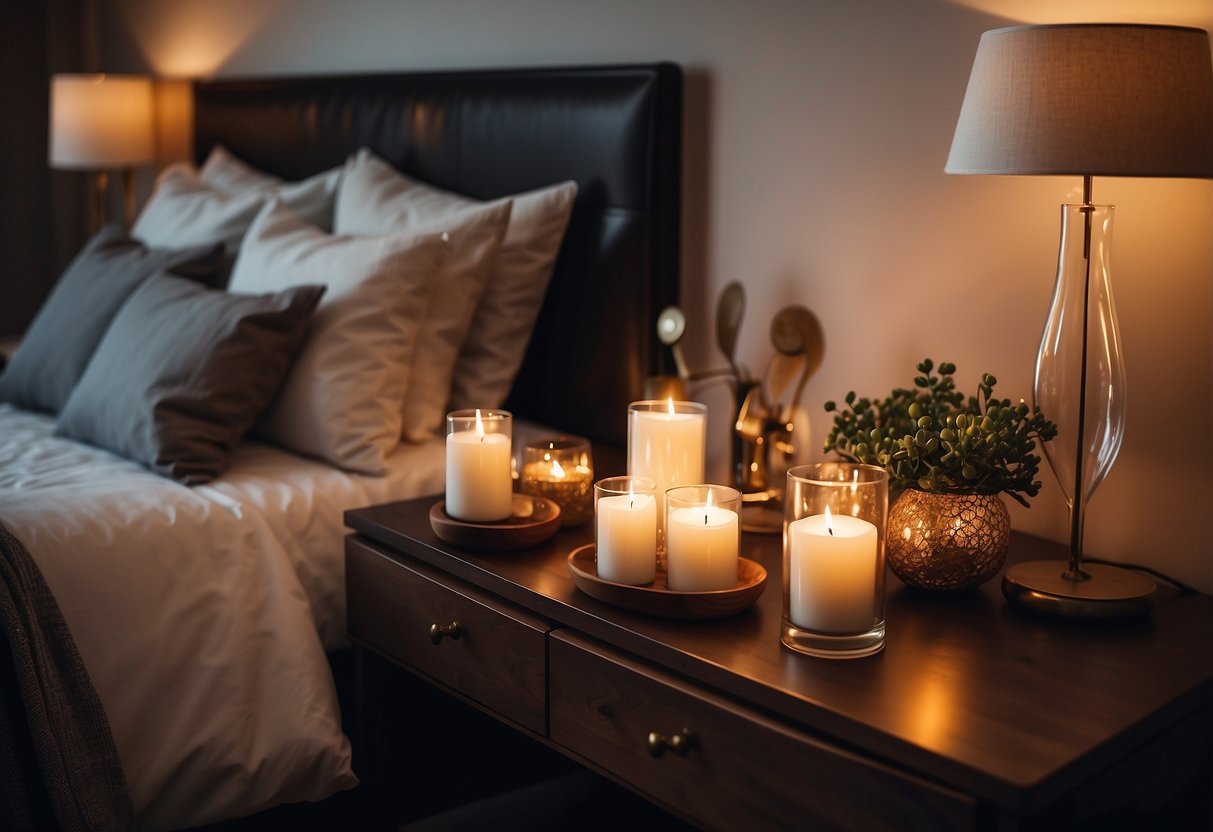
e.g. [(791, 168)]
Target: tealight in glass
[(703, 537), (625, 530), (835, 516), (561, 470), (479, 479)]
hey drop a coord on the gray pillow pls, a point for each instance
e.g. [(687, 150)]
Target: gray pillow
[(183, 372), (66, 330)]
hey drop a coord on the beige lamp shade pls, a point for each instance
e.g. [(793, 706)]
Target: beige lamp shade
[(100, 121), (1089, 99)]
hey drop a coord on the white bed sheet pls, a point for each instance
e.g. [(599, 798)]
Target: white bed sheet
[(202, 614)]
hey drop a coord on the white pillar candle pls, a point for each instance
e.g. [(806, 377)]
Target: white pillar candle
[(666, 447), (701, 550), (832, 573), (627, 538), (479, 485)]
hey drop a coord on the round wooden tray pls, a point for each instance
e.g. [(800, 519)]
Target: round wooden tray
[(533, 520), (655, 599)]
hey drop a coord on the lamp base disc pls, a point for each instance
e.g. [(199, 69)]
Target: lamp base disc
[(1111, 592)]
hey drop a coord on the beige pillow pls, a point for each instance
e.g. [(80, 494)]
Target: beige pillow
[(375, 198), (341, 400)]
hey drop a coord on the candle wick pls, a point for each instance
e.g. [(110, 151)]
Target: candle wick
[(631, 504), (705, 519), (831, 531)]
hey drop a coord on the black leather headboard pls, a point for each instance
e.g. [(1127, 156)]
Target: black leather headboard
[(617, 131)]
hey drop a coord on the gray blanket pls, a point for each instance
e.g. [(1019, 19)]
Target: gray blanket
[(59, 768)]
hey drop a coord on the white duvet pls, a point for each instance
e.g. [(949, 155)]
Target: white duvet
[(202, 614)]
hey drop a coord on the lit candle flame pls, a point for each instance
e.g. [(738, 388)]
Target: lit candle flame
[(829, 522), (707, 507), (479, 425), (557, 471), (670, 404), (631, 496)]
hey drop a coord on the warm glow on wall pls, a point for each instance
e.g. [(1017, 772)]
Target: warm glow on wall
[(195, 38)]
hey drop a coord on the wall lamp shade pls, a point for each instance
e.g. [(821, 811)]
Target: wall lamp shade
[(1089, 100), (101, 122)]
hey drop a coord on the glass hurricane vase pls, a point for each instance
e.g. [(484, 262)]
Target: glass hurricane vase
[(1080, 374)]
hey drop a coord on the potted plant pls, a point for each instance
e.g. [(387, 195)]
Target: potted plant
[(949, 457)]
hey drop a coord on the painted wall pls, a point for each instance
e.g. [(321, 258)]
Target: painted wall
[(816, 134)]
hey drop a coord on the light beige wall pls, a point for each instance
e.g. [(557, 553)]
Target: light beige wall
[(816, 137)]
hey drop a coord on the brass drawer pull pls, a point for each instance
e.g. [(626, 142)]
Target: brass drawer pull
[(679, 743), (437, 631)]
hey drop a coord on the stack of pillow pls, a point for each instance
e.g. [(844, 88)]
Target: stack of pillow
[(361, 305)]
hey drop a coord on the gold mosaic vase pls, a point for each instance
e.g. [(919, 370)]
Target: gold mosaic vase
[(947, 541)]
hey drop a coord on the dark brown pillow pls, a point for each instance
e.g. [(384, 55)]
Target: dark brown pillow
[(183, 371), (66, 330)]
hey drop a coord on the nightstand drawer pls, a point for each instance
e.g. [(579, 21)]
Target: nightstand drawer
[(490, 652), (738, 769)]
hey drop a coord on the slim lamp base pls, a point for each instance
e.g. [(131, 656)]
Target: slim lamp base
[(1111, 592)]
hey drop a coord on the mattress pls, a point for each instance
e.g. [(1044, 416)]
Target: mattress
[(203, 614)]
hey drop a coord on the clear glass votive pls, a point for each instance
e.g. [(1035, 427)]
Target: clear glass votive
[(625, 530), (561, 470), (666, 444), (835, 516), (703, 537), (479, 483)]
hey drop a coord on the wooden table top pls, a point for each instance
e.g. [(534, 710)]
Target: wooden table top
[(968, 691)]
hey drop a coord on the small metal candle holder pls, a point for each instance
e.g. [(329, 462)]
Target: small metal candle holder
[(561, 470)]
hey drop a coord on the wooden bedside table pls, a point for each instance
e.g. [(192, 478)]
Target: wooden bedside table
[(974, 716)]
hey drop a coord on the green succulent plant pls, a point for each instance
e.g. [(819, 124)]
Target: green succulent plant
[(933, 438)]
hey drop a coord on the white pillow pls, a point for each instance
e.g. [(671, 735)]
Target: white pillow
[(231, 175), (375, 198), (501, 326), (341, 400), (184, 210), (501, 329)]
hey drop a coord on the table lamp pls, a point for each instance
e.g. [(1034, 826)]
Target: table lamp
[(1086, 100), (101, 122)]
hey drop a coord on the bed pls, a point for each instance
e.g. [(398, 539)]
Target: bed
[(203, 608)]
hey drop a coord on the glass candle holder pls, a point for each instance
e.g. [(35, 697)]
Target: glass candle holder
[(835, 517), (703, 537), (561, 470), (666, 444), (479, 484), (625, 530)]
